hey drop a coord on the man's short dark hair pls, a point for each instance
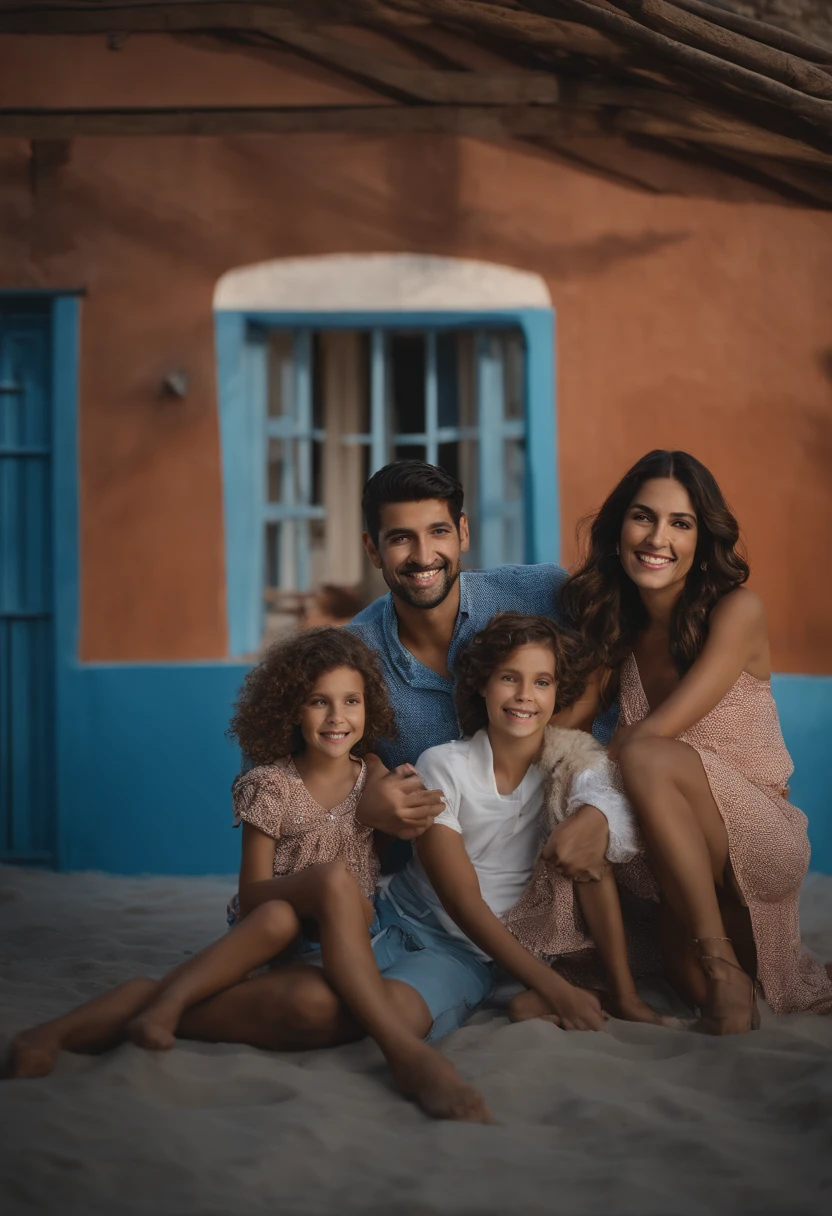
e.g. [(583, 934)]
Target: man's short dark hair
[(409, 481)]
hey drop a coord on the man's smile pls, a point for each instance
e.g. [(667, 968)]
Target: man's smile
[(424, 578)]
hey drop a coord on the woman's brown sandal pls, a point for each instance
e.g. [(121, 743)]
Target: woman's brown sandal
[(728, 999)]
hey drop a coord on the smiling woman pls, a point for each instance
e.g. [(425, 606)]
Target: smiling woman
[(663, 609)]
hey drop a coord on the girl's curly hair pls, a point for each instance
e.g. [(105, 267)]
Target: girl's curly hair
[(267, 711), (503, 634)]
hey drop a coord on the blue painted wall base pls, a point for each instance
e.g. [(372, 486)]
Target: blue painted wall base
[(146, 771), (804, 704)]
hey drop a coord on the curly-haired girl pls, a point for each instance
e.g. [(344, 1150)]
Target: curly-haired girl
[(305, 716), (477, 860)]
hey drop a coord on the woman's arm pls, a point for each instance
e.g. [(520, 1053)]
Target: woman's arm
[(583, 712), (453, 877), (737, 640)]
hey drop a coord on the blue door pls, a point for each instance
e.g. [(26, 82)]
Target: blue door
[(27, 665)]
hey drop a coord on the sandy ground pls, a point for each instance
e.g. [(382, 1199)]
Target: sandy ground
[(635, 1121)]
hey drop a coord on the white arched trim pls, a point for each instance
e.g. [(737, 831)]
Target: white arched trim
[(378, 282)]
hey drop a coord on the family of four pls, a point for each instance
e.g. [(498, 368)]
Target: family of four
[(591, 768)]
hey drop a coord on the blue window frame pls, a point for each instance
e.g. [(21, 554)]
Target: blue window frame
[(496, 432)]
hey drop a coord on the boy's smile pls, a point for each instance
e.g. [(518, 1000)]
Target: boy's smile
[(520, 693)]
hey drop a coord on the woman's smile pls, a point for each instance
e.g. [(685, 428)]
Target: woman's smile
[(659, 535), (654, 561)]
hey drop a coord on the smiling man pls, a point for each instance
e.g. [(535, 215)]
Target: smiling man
[(416, 534)]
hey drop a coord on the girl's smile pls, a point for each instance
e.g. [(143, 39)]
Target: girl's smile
[(332, 717)]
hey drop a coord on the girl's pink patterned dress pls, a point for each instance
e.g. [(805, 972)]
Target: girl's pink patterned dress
[(273, 798)]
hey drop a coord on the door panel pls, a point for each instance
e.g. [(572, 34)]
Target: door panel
[(27, 673)]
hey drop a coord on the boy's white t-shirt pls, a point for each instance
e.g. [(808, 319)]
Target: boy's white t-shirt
[(501, 832)]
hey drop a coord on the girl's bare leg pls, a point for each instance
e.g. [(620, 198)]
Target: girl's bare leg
[(264, 933), (602, 911), (302, 1008), (688, 847), (393, 1014), (289, 1009), (94, 1026)]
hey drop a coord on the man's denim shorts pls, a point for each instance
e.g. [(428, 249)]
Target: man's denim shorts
[(416, 950)]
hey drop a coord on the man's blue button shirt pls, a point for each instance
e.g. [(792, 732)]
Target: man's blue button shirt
[(422, 699)]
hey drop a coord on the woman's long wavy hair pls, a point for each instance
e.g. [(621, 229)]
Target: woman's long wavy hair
[(604, 604)]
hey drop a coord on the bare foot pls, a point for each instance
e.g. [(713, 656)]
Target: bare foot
[(94, 1026), (631, 1008), (433, 1082), (32, 1053), (731, 1005), (154, 1029), (528, 1005)]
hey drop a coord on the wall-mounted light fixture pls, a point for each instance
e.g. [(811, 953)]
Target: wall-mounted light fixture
[(175, 384)]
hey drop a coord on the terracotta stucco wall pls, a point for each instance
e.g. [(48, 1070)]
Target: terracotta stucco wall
[(696, 322)]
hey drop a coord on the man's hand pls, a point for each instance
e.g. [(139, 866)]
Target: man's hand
[(577, 847), (397, 802)]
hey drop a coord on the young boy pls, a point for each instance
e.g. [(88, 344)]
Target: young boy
[(477, 860)]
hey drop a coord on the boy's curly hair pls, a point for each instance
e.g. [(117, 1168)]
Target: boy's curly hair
[(488, 648), (266, 713)]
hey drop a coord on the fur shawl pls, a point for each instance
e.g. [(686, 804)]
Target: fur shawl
[(564, 754)]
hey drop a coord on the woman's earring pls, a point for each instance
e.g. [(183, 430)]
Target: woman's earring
[(617, 551), (703, 565)]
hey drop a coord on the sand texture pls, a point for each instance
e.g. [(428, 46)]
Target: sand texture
[(636, 1120)]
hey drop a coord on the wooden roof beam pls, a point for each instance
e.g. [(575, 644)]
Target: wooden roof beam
[(709, 35), (663, 106), (709, 67), (760, 31), (725, 133), (444, 87), (540, 36), (487, 122)]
